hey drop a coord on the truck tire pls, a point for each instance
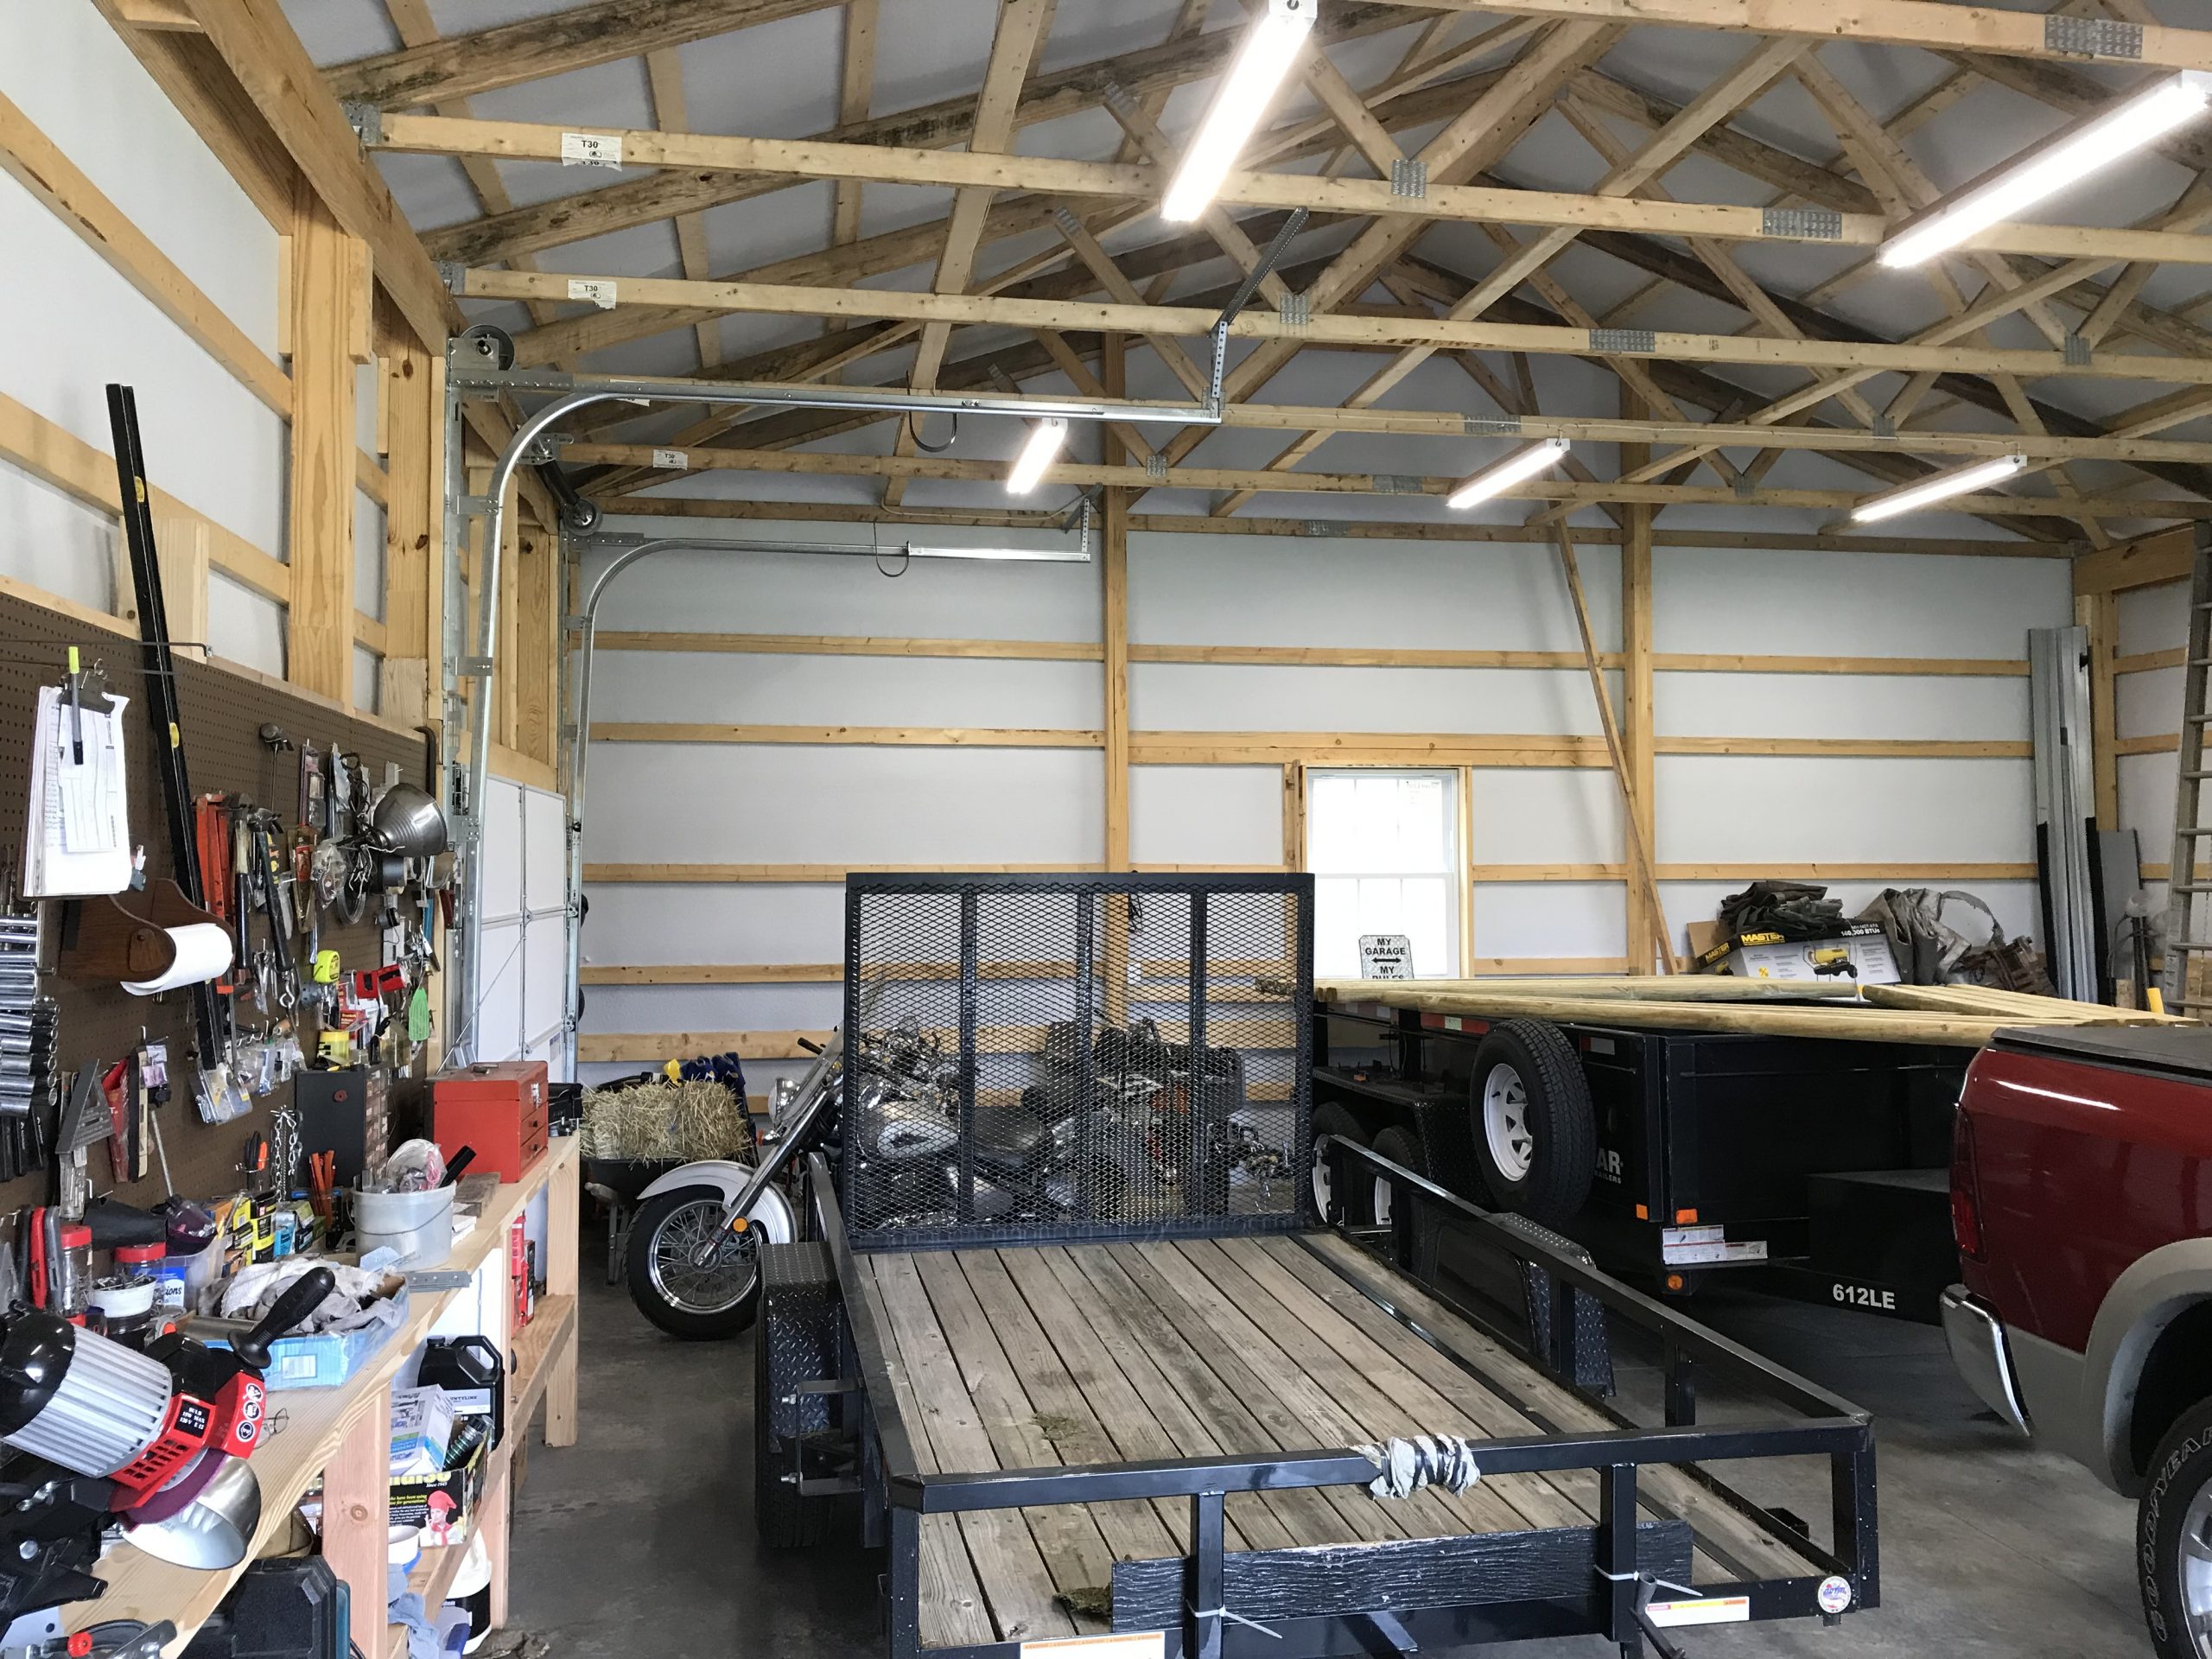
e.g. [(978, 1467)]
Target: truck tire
[(1535, 1131), (1400, 1146), (2173, 1526), (1331, 1117)]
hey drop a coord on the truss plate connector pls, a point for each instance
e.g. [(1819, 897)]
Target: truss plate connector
[(1885, 426), (1745, 487), (1622, 342), (1409, 178), (1490, 426), (1294, 311), (1156, 467), (452, 276), (1805, 224), (1315, 527), (2093, 37), (365, 118), (475, 668), (2077, 350), (1399, 484), (1071, 226)]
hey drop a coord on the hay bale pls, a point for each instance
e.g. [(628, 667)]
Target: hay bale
[(685, 1120)]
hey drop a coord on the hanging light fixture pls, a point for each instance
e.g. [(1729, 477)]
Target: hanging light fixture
[(2051, 167), (1960, 481), (1043, 443), (1270, 46), (1520, 465)]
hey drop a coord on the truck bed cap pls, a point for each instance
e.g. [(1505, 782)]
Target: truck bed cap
[(2178, 1051)]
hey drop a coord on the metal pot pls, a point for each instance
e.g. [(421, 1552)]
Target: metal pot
[(406, 820), (209, 1527)]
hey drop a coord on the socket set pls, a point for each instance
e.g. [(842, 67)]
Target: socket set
[(30, 1075)]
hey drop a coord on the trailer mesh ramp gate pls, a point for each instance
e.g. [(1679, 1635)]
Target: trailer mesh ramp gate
[(1098, 1354)]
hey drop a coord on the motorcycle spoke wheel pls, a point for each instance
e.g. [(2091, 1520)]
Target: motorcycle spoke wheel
[(725, 1281)]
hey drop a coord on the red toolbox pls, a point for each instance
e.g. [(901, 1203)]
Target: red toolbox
[(498, 1108)]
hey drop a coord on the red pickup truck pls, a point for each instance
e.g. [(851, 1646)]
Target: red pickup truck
[(2081, 1196)]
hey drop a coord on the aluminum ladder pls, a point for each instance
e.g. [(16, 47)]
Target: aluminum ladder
[(2188, 907)]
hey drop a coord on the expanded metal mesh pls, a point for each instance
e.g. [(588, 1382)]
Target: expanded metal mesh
[(1052, 1057)]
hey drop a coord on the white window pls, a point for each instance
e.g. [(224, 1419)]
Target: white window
[(1384, 850)]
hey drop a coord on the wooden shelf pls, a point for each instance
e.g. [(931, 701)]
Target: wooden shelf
[(542, 1338), (307, 1426)]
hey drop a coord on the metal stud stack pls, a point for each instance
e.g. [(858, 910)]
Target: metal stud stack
[(30, 1072)]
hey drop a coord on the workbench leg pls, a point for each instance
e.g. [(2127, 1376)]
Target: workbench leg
[(357, 1509), (561, 1392), (491, 1523)]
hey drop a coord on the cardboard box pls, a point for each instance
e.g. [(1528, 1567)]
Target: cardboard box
[(442, 1504), (421, 1432), (1859, 952)]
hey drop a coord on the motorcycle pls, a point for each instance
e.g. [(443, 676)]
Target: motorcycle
[(1125, 1149)]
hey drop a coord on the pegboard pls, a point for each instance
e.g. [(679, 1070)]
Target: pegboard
[(222, 714)]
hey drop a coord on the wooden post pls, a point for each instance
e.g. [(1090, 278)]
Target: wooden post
[(536, 657), (356, 1508), (563, 1200), (1637, 727), (1114, 635), (326, 298), (414, 531)]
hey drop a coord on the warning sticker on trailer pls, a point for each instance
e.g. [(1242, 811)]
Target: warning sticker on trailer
[(1708, 1610), (1132, 1644)]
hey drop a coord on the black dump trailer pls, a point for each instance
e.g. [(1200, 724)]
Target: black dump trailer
[(1067, 1341), (1811, 1168)]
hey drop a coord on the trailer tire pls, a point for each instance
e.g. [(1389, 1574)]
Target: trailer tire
[(1401, 1148), (1332, 1117), (1535, 1131)]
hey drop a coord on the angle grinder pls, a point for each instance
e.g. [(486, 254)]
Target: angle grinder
[(167, 1428)]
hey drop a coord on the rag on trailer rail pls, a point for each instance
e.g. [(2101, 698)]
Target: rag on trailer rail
[(1089, 1365)]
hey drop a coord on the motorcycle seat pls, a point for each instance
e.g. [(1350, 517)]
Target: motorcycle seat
[(1010, 1135)]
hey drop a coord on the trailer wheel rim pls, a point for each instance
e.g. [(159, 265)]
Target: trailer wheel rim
[(1321, 1183), (715, 1288), (1505, 1122), (2196, 1569), (1383, 1189)]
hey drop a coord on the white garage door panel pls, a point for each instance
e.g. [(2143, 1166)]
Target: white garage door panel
[(499, 1034), (1205, 814), (1734, 809), (545, 854), (699, 803), (502, 848), (545, 963), (779, 691)]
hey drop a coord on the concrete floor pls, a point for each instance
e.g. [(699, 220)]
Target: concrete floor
[(1989, 1549)]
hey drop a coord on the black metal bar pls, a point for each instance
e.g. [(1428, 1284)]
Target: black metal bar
[(1258, 274), (904, 1590), (848, 1084), (1086, 1060), (869, 1349), (1202, 1612), (1682, 1387), (1302, 1084), (1003, 1488), (1199, 1119), (159, 661), (970, 985), (1067, 881), (1851, 1495), (1009, 1236), (1800, 1393), (1617, 1555)]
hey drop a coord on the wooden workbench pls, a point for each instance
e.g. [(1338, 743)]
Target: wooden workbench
[(343, 1437)]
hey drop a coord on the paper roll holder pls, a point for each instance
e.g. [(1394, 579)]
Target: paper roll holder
[(124, 936)]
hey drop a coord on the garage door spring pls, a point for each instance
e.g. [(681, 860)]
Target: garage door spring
[(1446, 1460)]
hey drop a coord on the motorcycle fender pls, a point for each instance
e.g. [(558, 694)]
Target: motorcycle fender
[(772, 1210)]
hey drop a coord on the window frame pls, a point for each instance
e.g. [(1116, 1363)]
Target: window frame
[(1458, 871)]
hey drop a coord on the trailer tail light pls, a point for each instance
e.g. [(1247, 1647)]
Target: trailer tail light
[(1966, 1188)]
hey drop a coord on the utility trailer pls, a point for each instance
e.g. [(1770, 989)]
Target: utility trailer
[(1813, 1168), (1182, 1411)]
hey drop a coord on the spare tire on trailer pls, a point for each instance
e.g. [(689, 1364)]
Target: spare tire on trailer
[(1535, 1131)]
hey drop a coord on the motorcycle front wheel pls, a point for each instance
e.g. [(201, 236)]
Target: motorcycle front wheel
[(700, 1304)]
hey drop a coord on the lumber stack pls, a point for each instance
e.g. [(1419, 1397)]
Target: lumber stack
[(1941, 1016)]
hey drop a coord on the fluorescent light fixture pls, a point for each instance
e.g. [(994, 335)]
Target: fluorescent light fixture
[(2050, 168), (1046, 438), (1520, 465), (1008, 555), (1960, 481), (1271, 46)]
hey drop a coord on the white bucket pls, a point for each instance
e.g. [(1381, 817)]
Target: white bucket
[(417, 1225)]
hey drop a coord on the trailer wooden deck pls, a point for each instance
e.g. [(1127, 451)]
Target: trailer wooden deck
[(1117, 1352)]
